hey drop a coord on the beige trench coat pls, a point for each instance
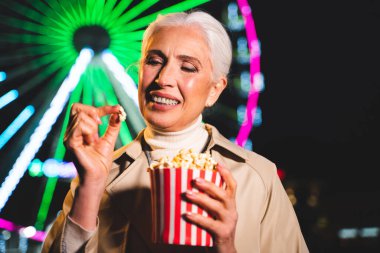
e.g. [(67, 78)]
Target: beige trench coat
[(266, 224)]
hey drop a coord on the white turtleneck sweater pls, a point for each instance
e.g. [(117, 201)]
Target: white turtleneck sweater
[(169, 143)]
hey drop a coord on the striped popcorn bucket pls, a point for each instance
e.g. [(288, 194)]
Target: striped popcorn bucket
[(168, 206)]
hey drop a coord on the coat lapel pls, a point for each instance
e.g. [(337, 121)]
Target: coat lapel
[(130, 194)]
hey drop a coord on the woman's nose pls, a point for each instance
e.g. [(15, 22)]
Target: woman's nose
[(166, 76)]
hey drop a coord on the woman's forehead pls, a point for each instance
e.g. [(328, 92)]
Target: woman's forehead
[(181, 40)]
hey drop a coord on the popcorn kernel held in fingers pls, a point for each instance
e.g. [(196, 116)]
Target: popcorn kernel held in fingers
[(122, 114)]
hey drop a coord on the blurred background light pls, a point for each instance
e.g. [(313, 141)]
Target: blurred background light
[(235, 21), (28, 232), (3, 76), (13, 127), (52, 168), (369, 232), (35, 168), (8, 98), (11, 227), (348, 233)]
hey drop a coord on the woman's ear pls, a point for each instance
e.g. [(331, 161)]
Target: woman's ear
[(215, 91)]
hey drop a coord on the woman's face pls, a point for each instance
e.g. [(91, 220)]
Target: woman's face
[(176, 78)]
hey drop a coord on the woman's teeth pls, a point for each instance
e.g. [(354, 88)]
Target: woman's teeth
[(166, 101)]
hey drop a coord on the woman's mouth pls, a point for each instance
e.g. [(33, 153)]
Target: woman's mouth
[(164, 100)]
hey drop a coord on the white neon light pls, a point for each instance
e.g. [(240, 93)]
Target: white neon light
[(44, 126), (118, 70), (28, 232), (8, 97)]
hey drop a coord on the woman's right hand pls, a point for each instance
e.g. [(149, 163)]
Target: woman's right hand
[(92, 157), (93, 154)]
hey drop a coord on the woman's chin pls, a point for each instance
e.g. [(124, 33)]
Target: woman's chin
[(162, 123), (169, 120)]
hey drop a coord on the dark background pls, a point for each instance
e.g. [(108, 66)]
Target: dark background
[(321, 105), (320, 116), (321, 112)]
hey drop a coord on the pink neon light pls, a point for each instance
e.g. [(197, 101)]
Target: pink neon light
[(39, 236), (7, 225), (253, 46)]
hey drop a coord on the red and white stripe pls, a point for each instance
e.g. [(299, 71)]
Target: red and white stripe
[(168, 206)]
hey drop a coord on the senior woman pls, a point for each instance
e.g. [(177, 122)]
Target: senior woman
[(184, 66)]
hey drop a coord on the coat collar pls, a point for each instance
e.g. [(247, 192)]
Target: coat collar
[(218, 140), (135, 148)]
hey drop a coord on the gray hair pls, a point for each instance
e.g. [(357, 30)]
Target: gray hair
[(216, 36)]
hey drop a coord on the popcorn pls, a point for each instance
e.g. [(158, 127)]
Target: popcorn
[(122, 114), (186, 159)]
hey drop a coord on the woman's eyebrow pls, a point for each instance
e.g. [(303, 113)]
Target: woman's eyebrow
[(157, 52), (189, 58), (182, 57)]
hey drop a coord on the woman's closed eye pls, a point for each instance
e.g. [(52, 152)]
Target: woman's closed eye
[(188, 67), (153, 61)]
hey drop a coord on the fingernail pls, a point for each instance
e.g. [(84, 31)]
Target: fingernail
[(117, 120), (199, 180), (189, 194), (187, 216)]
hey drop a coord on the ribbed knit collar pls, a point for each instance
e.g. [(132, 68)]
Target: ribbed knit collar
[(169, 143)]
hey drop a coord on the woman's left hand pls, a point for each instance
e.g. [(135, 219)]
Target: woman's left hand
[(220, 204)]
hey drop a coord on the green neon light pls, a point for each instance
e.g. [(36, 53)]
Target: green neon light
[(120, 8), (133, 71), (87, 93), (142, 22), (132, 54), (24, 10), (127, 36), (134, 12), (16, 23), (120, 46), (45, 203), (109, 6)]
